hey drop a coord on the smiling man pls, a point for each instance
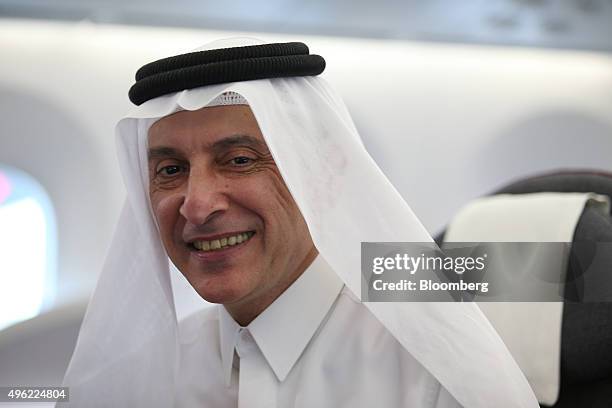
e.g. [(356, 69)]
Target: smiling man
[(245, 170), (226, 218)]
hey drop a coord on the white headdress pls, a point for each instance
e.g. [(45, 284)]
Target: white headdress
[(126, 354)]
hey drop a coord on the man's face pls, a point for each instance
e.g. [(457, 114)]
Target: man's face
[(225, 215)]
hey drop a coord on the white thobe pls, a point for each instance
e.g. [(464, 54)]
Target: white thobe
[(315, 346)]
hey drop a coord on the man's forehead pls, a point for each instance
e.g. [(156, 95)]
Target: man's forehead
[(217, 126), (208, 116), (223, 143)]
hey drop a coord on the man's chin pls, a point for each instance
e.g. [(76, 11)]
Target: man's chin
[(219, 298), (222, 293)]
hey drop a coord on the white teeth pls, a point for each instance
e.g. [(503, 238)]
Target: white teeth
[(223, 242)]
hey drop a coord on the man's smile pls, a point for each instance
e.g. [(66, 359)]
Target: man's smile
[(221, 241)]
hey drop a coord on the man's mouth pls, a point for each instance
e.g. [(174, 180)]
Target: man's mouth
[(223, 242)]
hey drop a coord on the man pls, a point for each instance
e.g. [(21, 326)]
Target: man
[(245, 169)]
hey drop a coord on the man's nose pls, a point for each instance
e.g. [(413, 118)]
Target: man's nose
[(205, 197)]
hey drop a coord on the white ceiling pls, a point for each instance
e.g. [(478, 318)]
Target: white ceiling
[(573, 24)]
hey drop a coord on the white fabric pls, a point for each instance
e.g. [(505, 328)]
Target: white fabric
[(228, 98), (287, 325), (128, 347), (315, 346), (532, 331)]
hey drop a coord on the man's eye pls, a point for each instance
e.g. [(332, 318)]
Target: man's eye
[(241, 161), (169, 170)]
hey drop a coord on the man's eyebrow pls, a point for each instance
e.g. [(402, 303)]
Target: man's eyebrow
[(225, 143), (239, 140), (162, 152)]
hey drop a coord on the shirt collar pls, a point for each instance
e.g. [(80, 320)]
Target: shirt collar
[(283, 330)]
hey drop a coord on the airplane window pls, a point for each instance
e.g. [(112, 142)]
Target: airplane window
[(27, 247)]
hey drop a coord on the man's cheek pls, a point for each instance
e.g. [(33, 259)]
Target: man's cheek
[(166, 211)]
